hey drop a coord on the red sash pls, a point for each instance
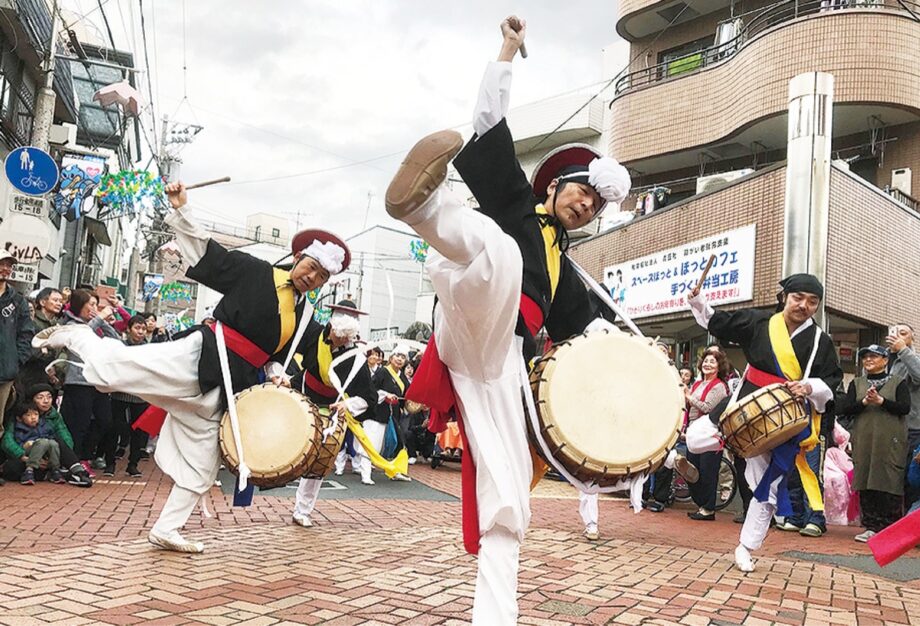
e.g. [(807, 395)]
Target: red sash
[(319, 386), (151, 420), (431, 386), (762, 378)]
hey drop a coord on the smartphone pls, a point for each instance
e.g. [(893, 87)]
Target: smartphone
[(892, 331)]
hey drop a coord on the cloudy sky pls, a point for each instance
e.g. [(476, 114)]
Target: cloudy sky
[(313, 94)]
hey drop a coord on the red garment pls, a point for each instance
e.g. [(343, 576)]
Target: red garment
[(431, 386), (762, 378), (712, 383), (896, 540), (151, 420), (319, 386)]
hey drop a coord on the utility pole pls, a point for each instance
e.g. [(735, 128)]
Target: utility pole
[(44, 100)]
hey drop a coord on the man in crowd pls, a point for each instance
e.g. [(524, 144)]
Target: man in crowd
[(50, 303), (906, 366), (127, 408), (16, 330)]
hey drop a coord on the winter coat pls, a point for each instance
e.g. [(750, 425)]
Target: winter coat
[(16, 331), (13, 450), (33, 371)]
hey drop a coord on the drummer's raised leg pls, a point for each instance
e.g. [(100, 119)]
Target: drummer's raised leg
[(757, 522)]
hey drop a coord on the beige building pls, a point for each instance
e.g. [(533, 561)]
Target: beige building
[(702, 113)]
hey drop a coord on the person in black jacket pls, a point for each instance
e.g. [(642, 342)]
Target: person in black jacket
[(16, 330), (391, 384)]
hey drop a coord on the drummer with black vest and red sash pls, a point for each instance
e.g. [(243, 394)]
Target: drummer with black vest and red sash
[(191, 378), (321, 344), (785, 347), (501, 274)]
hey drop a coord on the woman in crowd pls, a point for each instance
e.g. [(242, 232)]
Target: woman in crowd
[(86, 411), (391, 385), (879, 403), (701, 397)]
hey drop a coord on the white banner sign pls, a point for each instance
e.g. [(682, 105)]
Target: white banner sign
[(25, 273), (26, 205), (25, 237), (660, 283)]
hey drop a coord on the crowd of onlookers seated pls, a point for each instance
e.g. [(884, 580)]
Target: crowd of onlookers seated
[(55, 426)]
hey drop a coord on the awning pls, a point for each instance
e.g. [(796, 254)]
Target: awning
[(97, 231)]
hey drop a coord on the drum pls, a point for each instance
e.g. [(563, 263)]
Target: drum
[(279, 431), (762, 420), (324, 461), (608, 405)]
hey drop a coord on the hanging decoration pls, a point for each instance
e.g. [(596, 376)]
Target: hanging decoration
[(80, 177), (320, 313), (176, 292), (152, 284), (418, 250), (129, 192), (178, 322)]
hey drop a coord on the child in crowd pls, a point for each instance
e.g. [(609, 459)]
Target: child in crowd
[(36, 436), (50, 423)]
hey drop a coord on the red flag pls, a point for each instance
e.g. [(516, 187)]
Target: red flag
[(896, 540), (150, 421)]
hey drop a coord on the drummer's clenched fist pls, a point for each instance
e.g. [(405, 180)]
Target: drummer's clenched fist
[(799, 389), (514, 30), (279, 381), (176, 194)]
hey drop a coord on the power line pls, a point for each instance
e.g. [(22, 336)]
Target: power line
[(149, 80)]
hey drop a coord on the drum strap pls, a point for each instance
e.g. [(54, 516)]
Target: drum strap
[(244, 471)]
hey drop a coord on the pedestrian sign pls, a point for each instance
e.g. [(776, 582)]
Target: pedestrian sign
[(31, 170)]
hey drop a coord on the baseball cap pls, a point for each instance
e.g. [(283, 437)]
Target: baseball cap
[(873, 349), (5, 255)]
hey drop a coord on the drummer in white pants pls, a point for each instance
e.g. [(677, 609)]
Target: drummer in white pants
[(784, 347), (483, 266), (258, 316)]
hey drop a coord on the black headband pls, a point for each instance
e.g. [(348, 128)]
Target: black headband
[(802, 283)]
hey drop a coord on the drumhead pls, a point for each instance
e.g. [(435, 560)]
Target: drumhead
[(277, 427), (612, 398)]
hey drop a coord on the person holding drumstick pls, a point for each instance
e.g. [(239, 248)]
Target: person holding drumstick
[(191, 378), (320, 345), (500, 273), (786, 347)]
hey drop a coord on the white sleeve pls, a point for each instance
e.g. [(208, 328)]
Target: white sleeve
[(599, 324), (191, 238), (381, 396), (820, 394), (356, 406), (702, 312), (494, 97), (273, 368)]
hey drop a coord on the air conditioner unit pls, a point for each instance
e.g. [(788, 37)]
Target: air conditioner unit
[(900, 180), (717, 181), (63, 134)]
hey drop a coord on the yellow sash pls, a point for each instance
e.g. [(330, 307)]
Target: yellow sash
[(781, 343), (285, 292), (553, 254), (396, 379), (324, 359), (399, 465)]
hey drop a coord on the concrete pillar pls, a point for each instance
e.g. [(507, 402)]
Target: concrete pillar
[(808, 171)]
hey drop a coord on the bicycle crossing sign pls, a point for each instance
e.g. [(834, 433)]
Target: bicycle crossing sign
[(31, 170)]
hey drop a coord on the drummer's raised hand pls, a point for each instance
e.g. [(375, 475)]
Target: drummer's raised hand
[(694, 293), (176, 194), (799, 389), (514, 30)]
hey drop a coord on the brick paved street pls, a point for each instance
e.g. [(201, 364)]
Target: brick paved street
[(73, 556)]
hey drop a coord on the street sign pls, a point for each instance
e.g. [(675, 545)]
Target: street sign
[(26, 205), (24, 273), (31, 170)]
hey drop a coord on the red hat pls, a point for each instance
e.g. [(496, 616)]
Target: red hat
[(304, 238), (555, 161)]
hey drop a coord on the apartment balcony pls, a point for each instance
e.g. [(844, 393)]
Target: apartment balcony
[(532, 123), (640, 18), (724, 99)]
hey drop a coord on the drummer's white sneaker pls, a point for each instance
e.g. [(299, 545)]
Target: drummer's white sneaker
[(303, 520), (175, 542), (367, 481), (743, 560), (402, 478), (591, 533)]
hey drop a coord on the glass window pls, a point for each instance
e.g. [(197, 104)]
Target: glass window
[(276, 233)]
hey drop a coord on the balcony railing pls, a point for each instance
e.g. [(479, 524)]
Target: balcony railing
[(903, 198), (738, 32)]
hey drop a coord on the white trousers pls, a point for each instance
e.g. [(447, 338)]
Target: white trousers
[(757, 522), (375, 432), (307, 494), (342, 457), (476, 270), (165, 375), (587, 506)]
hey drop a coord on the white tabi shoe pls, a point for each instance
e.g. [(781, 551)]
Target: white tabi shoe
[(402, 478), (743, 560), (303, 520), (591, 533), (57, 336), (367, 482), (175, 542)]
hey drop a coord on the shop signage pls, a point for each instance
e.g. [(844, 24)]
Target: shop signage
[(25, 237), (25, 274), (26, 205), (660, 283)]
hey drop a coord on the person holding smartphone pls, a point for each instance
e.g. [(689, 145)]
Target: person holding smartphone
[(905, 363)]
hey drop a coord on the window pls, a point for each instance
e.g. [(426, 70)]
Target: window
[(684, 58), (276, 233)]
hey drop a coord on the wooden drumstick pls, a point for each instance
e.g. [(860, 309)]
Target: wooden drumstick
[(516, 26), (225, 179), (699, 284)]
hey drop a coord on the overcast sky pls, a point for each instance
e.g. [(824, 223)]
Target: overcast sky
[(286, 88)]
